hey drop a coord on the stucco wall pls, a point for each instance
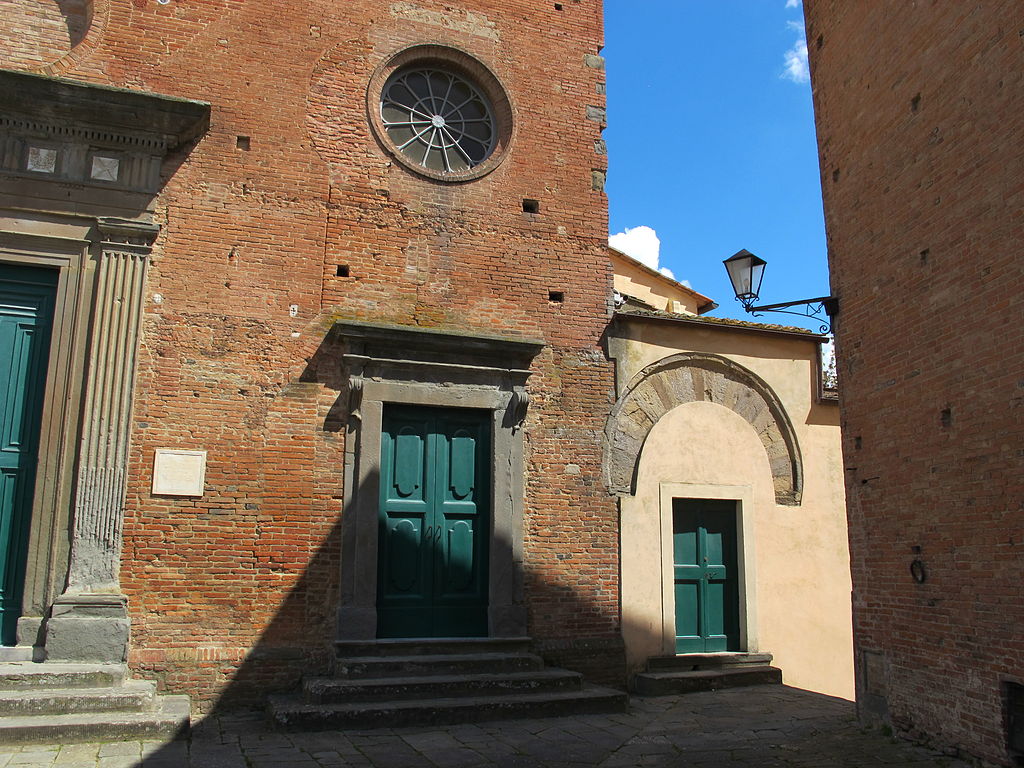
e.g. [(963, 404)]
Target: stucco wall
[(633, 279), (794, 560)]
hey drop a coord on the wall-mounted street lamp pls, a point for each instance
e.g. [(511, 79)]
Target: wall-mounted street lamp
[(746, 272)]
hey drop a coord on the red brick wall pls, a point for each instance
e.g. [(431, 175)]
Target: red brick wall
[(251, 568), (919, 109), (39, 33)]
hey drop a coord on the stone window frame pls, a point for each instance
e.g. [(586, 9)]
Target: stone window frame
[(383, 370), (464, 65)]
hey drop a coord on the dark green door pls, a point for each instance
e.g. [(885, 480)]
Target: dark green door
[(433, 523), (706, 576), (26, 315)]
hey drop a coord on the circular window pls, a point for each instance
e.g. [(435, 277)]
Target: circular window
[(440, 112), (437, 119)]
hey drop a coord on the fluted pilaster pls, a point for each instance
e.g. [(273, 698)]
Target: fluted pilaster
[(89, 621)]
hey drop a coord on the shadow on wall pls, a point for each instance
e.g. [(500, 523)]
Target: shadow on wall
[(78, 17), (298, 641), (283, 655)]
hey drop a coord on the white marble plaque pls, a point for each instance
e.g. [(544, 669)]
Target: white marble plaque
[(178, 473)]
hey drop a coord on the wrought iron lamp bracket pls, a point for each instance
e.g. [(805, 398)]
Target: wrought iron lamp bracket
[(821, 308)]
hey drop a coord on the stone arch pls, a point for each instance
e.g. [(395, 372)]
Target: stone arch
[(690, 377)]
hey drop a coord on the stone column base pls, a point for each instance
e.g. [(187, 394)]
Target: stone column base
[(88, 628)]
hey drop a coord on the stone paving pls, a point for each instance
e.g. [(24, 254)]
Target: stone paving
[(765, 726)]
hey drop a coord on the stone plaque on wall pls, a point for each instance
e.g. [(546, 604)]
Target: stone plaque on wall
[(178, 473)]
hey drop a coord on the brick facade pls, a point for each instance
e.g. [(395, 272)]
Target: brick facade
[(919, 110), (288, 216)]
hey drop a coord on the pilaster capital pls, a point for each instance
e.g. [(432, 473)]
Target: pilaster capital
[(126, 235)]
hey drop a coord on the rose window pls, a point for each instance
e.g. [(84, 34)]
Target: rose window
[(438, 120)]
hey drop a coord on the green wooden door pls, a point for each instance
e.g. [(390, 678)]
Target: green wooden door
[(706, 586), (26, 316), (433, 523)]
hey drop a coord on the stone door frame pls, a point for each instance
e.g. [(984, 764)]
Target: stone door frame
[(409, 366), (743, 495)]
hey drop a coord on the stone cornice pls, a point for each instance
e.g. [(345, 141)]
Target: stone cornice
[(118, 113)]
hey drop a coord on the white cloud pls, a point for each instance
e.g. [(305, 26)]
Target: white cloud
[(643, 244), (640, 243), (796, 68), (792, 3)]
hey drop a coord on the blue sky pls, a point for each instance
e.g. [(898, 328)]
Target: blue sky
[(711, 143)]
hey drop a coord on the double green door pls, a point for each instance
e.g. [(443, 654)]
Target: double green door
[(433, 523), (706, 575), (26, 316)]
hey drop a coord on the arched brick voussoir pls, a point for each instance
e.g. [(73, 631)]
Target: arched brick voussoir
[(691, 377)]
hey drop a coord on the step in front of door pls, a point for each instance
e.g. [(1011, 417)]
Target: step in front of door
[(56, 702), (328, 690), (23, 675), (294, 714), (132, 695), (168, 719), (685, 662), (420, 646), (694, 681), (368, 667)]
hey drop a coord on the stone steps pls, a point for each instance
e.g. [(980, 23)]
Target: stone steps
[(391, 683), (693, 661), (432, 646), (325, 690), (364, 667), (169, 719), (16, 676), (68, 702), (695, 672), (132, 695), (292, 713), (16, 653)]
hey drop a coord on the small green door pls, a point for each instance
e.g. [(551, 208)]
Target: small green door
[(433, 523), (26, 316), (706, 576)]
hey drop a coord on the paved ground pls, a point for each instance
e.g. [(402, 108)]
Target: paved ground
[(766, 726)]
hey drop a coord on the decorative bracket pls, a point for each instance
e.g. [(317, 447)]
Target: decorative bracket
[(518, 406), (355, 396)]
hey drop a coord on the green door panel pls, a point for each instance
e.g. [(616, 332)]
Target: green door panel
[(26, 317), (705, 575), (433, 523)]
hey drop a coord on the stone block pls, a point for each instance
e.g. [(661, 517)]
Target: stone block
[(77, 638)]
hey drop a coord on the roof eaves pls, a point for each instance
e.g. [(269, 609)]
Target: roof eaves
[(702, 300), (723, 323)]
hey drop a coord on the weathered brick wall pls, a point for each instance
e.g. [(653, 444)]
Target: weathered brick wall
[(254, 225), (39, 33), (919, 109)]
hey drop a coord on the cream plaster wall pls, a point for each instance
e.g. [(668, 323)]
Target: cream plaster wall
[(659, 291), (794, 559)]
